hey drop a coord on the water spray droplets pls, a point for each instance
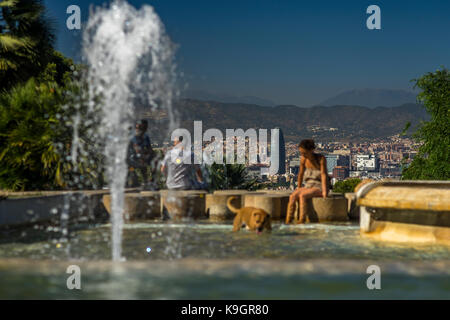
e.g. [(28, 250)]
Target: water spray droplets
[(129, 57)]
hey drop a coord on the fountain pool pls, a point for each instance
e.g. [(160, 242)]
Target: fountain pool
[(207, 261)]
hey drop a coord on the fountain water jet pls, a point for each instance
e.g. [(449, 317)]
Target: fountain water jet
[(130, 60)]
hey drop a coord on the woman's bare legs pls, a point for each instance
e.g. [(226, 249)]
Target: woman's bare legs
[(306, 194), (290, 211), (291, 206)]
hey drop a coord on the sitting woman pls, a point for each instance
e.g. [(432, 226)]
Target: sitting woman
[(313, 170)]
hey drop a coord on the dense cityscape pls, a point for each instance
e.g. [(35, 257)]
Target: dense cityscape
[(378, 159), (375, 160)]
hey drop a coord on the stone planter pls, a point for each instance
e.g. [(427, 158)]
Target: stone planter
[(239, 194), (183, 204), (274, 204), (318, 209), (216, 206), (145, 205), (327, 210)]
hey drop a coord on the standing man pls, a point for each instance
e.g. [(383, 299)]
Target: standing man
[(140, 153), (179, 172)]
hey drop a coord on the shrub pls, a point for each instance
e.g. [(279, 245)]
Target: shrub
[(29, 117), (433, 159), (229, 176), (347, 185)]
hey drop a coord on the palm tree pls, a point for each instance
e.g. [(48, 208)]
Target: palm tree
[(26, 41), (230, 176), (27, 158)]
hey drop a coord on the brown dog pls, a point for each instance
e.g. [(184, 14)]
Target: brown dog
[(254, 219)]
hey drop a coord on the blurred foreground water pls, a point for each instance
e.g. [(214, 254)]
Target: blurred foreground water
[(208, 261)]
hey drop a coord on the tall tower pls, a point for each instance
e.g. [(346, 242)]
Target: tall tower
[(282, 151)]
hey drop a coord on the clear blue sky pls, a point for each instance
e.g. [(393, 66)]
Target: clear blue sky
[(292, 52)]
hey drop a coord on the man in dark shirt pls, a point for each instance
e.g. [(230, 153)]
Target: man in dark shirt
[(140, 154)]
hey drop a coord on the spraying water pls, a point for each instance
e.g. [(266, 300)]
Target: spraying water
[(130, 62)]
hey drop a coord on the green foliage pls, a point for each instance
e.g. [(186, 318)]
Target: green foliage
[(26, 42), (433, 159), (230, 176), (347, 185), (41, 97), (29, 116), (36, 131)]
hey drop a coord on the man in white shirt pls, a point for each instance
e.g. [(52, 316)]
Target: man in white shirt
[(178, 167)]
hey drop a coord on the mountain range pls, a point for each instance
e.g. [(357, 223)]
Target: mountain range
[(227, 98), (371, 98), (356, 97), (341, 122)]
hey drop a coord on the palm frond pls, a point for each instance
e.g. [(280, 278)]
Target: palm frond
[(8, 3), (11, 43)]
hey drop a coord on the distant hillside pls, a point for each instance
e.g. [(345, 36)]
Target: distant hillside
[(371, 98), (225, 98), (324, 123)]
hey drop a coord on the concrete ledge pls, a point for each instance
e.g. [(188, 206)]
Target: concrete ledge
[(35, 194), (282, 192), (36, 207), (233, 191), (80, 206)]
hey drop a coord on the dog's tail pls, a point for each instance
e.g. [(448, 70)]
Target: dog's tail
[(230, 206)]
